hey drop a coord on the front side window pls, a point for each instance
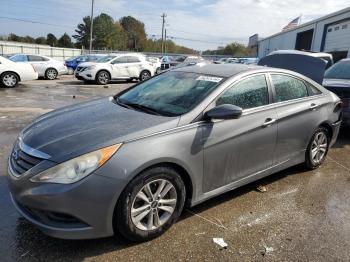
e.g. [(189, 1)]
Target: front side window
[(120, 60), (248, 93), (288, 88), (106, 59), (19, 58), (171, 94)]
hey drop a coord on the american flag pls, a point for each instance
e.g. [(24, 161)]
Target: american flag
[(294, 23)]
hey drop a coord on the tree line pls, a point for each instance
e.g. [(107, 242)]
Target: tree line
[(124, 34)]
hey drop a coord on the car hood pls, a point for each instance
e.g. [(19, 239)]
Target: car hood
[(86, 64), (306, 65), (85, 127)]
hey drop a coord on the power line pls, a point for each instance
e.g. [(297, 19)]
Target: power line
[(33, 22)]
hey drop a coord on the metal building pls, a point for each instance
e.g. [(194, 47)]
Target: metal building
[(330, 34)]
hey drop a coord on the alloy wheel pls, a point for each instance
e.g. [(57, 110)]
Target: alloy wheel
[(319, 147), (9, 80), (51, 74), (103, 78), (145, 75), (153, 205)]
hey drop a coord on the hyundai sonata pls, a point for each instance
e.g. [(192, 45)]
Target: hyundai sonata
[(128, 164)]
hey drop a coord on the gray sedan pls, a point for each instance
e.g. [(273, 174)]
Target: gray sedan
[(129, 164)]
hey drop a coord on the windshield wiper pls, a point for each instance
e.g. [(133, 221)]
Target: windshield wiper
[(138, 107)]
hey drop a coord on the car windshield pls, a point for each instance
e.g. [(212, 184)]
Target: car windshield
[(171, 94), (106, 59), (340, 70)]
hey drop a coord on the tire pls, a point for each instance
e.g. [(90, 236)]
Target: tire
[(103, 78), (158, 71), (144, 75), (133, 198), (51, 74), (317, 149), (9, 79)]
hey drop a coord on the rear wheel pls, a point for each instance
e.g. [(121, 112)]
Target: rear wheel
[(103, 78), (317, 149), (150, 204), (51, 74), (145, 75), (9, 79)]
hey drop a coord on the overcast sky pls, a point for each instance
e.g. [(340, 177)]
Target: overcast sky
[(205, 24)]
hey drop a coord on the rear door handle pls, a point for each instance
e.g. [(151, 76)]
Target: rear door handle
[(313, 106), (268, 122)]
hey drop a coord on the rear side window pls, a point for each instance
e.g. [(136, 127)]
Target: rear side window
[(313, 90), (248, 93), (35, 58), (288, 88)]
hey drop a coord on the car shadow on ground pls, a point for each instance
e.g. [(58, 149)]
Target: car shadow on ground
[(30, 242)]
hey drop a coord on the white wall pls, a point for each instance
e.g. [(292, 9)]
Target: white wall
[(287, 40), (32, 49)]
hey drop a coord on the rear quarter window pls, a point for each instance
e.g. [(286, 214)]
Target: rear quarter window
[(288, 87)]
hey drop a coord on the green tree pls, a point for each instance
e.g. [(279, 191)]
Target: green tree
[(65, 41), (40, 40), (135, 30), (51, 40), (82, 35)]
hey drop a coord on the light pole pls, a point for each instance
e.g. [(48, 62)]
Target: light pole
[(91, 24)]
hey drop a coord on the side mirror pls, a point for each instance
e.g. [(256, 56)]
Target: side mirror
[(225, 111)]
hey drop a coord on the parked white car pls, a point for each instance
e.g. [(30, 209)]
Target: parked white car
[(12, 73), (116, 66), (45, 66), (156, 63)]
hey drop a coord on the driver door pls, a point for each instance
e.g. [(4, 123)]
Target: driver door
[(237, 148)]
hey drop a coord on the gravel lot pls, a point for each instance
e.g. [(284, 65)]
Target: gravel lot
[(304, 215)]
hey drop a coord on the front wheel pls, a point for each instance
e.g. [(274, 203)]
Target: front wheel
[(103, 78), (150, 204), (317, 149), (9, 79)]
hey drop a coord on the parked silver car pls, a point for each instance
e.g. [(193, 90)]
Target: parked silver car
[(128, 164), (45, 66)]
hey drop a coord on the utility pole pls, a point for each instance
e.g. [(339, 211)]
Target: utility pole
[(91, 24), (165, 41), (163, 22)]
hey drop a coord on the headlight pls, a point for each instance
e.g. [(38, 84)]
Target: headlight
[(77, 168), (90, 67)]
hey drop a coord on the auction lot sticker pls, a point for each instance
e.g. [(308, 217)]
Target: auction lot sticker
[(209, 79)]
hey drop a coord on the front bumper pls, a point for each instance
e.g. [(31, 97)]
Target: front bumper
[(85, 75), (82, 210)]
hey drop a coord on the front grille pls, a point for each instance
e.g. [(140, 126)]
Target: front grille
[(80, 68), (21, 162)]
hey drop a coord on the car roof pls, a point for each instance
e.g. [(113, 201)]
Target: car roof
[(316, 54), (223, 70)]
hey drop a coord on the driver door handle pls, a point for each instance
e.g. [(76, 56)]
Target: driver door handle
[(268, 122), (313, 106)]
